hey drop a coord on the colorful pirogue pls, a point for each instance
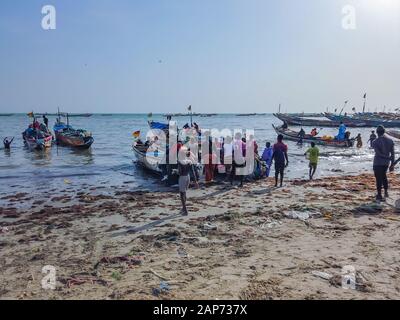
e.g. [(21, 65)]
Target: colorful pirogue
[(37, 136), (66, 135), (325, 141)]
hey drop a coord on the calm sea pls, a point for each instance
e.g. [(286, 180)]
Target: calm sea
[(110, 159)]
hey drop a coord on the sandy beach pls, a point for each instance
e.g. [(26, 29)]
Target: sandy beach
[(255, 242)]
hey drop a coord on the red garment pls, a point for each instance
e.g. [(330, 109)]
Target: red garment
[(255, 147), (210, 168)]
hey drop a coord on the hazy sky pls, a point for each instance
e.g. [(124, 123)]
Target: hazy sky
[(217, 55)]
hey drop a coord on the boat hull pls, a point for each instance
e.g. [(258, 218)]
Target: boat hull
[(394, 133), (38, 144), (73, 141), (152, 164)]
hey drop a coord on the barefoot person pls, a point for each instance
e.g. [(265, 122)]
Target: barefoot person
[(313, 155), (185, 166), (384, 157), (281, 159)]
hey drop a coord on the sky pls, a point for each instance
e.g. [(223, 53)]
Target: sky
[(225, 56)]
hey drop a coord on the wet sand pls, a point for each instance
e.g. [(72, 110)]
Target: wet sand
[(256, 242)]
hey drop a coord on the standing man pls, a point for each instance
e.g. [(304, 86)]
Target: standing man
[(342, 132), (301, 135), (281, 159), (384, 156), (239, 153), (313, 155), (372, 138), (185, 166), (46, 121), (267, 157)]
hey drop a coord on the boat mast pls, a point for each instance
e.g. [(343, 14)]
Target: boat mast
[(365, 102), (345, 103)]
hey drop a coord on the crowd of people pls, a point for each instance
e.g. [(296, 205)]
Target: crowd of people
[(277, 154)]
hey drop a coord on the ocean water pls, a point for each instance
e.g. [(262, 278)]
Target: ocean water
[(110, 160)]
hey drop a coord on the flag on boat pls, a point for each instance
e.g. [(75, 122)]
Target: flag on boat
[(190, 108), (30, 114), (354, 109), (365, 96), (136, 134)]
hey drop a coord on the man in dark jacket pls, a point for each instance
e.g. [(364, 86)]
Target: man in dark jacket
[(384, 157)]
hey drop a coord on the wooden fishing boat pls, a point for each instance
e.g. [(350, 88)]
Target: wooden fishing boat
[(37, 136), (394, 133), (364, 120), (153, 162), (66, 135), (313, 122), (294, 136), (35, 139)]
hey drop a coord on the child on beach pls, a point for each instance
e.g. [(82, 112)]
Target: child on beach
[(313, 155)]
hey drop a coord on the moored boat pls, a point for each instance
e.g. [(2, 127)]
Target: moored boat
[(66, 135), (327, 141)]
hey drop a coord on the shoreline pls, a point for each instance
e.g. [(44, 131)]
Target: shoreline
[(255, 242)]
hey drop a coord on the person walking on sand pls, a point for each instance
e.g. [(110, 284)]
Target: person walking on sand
[(384, 157), (313, 156), (267, 157), (185, 166), (280, 158)]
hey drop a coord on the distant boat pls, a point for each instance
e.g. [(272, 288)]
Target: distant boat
[(71, 115), (6, 114), (246, 114)]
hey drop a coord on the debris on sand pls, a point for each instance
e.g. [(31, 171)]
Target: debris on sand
[(369, 208), (77, 280), (130, 261), (322, 275)]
